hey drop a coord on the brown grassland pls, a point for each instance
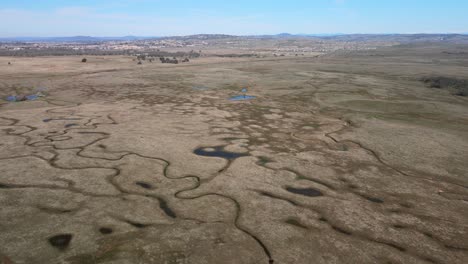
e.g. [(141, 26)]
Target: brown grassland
[(340, 158)]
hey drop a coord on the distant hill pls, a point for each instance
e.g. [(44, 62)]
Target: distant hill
[(399, 38), (404, 38), (74, 39), (201, 37)]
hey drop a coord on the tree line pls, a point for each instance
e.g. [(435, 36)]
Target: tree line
[(93, 52)]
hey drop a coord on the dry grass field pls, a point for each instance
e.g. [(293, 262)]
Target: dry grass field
[(340, 158)]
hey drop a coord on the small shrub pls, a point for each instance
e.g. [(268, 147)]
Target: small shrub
[(461, 93)]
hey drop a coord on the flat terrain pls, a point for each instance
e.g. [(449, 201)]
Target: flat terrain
[(346, 157)]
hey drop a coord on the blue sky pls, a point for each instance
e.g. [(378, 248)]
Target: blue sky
[(241, 17)]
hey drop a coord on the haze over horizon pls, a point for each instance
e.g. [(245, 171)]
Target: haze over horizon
[(54, 18)]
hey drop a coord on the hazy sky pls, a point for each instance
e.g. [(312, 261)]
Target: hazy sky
[(242, 17)]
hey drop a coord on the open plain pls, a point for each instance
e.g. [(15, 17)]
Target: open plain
[(345, 157)]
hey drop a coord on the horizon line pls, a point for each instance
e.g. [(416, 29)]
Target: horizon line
[(236, 35)]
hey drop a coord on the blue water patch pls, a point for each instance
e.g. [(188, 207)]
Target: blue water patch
[(218, 152), (241, 97), (17, 98), (31, 97), (11, 98)]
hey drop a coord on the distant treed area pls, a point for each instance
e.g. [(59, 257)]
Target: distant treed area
[(235, 46), (58, 52), (96, 52)]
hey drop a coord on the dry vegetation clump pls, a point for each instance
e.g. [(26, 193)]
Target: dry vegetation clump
[(455, 86), (167, 60)]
